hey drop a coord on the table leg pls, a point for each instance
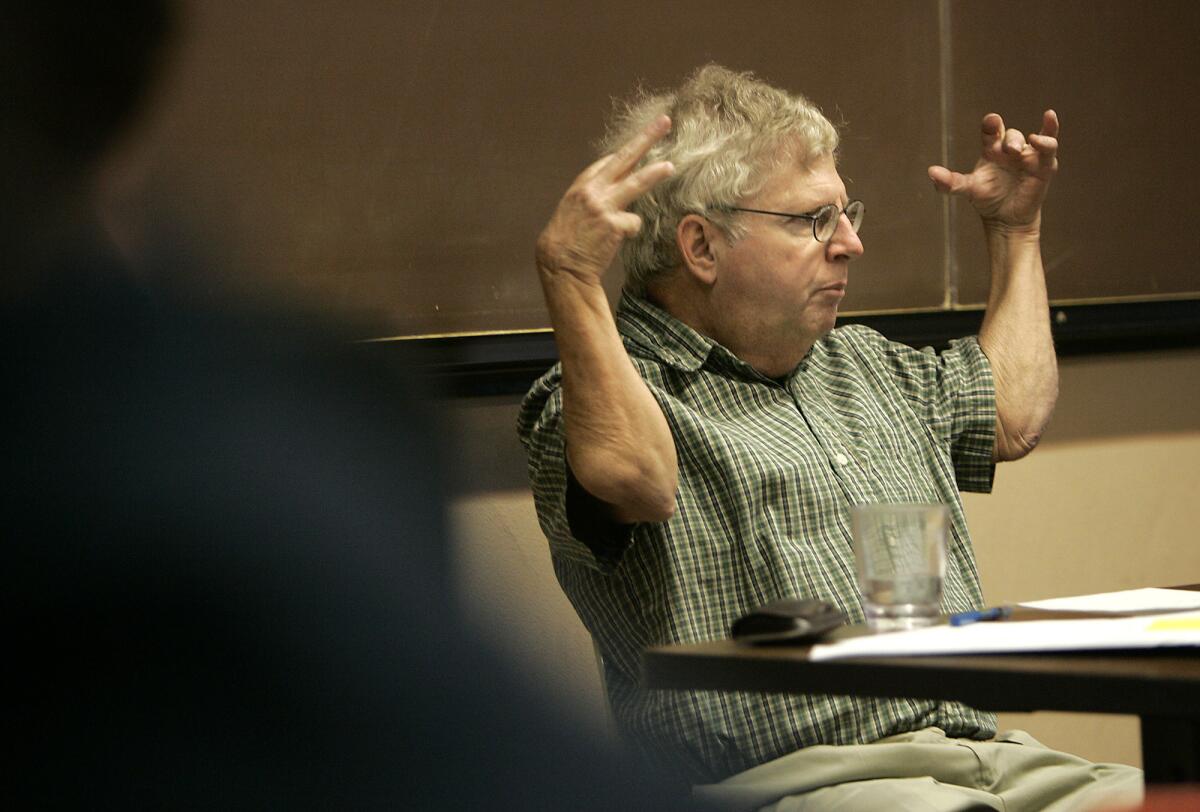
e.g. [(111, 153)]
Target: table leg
[(1171, 749)]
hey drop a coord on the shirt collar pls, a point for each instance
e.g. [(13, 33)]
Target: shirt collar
[(661, 335)]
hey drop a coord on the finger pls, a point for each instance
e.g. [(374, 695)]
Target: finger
[(1046, 141), (1014, 141), (627, 224), (641, 181), (947, 181), (1043, 143), (595, 168), (627, 156), (1047, 150), (992, 132), (1050, 124)]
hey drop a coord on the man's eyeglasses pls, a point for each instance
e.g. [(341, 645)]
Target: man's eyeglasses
[(824, 220)]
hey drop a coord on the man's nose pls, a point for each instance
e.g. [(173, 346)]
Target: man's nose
[(845, 243)]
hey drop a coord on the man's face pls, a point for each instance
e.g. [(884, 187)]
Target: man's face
[(778, 286)]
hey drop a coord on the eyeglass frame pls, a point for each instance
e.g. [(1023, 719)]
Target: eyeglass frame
[(813, 218)]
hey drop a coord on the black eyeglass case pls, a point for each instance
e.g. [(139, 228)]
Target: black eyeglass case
[(788, 620)]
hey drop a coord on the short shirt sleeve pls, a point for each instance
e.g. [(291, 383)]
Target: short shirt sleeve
[(961, 411), (954, 394), (969, 414), (577, 524)]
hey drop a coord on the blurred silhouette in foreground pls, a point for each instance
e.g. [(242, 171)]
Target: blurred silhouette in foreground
[(225, 578)]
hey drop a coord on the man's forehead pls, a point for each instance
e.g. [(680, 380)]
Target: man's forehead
[(813, 182)]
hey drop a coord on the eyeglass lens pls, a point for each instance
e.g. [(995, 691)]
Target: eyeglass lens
[(825, 226)]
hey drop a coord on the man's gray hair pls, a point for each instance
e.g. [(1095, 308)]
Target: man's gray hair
[(729, 132)]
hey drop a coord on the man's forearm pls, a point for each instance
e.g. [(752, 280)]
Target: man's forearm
[(618, 442), (1016, 338)]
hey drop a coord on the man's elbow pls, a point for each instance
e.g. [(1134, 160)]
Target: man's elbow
[(1020, 424), (664, 507), (659, 509), (645, 499), (1012, 446), (637, 493)]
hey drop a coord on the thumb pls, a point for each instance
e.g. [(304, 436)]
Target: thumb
[(946, 181)]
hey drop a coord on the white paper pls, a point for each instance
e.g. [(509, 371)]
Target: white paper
[(1145, 631), (1129, 600)]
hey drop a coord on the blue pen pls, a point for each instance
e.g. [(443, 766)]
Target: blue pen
[(995, 613)]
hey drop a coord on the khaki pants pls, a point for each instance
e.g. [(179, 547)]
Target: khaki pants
[(928, 771)]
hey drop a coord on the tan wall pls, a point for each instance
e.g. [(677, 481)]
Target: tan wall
[(1110, 500)]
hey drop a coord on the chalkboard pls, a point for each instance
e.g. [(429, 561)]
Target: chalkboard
[(394, 162)]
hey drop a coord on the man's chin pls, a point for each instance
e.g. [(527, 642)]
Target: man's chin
[(825, 325)]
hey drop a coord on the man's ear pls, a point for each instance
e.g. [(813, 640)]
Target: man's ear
[(694, 235)]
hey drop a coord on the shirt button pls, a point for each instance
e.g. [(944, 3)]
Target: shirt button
[(841, 459)]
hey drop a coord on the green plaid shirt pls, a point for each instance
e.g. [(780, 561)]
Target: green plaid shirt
[(767, 472)]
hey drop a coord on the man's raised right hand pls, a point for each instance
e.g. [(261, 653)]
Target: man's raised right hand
[(590, 223)]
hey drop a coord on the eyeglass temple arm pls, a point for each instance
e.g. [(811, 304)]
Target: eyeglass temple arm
[(776, 213)]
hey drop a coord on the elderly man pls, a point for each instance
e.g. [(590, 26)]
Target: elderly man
[(697, 456)]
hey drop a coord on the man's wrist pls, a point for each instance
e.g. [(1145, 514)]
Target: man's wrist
[(571, 295), (557, 275), (1020, 232)]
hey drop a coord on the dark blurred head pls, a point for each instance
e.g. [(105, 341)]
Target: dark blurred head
[(73, 75)]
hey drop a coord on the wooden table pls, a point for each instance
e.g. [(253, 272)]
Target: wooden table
[(1162, 687)]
